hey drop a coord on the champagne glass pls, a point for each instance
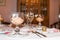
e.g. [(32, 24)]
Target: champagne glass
[(26, 17), (39, 18), (17, 21), (31, 17)]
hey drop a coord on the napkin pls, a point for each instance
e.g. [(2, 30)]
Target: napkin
[(4, 32)]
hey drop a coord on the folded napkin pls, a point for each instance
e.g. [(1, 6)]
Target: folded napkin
[(4, 32)]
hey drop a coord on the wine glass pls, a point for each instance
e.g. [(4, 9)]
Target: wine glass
[(26, 18), (39, 19), (17, 21), (29, 17)]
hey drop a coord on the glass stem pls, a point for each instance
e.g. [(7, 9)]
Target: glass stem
[(27, 22), (17, 30), (17, 26), (39, 24)]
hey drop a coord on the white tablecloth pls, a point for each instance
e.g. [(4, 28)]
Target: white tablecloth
[(5, 37), (31, 36)]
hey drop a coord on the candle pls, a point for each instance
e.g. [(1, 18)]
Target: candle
[(44, 28)]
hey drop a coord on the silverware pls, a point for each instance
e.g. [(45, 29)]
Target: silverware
[(39, 33)]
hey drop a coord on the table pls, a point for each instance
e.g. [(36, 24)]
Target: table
[(4, 37), (50, 36)]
